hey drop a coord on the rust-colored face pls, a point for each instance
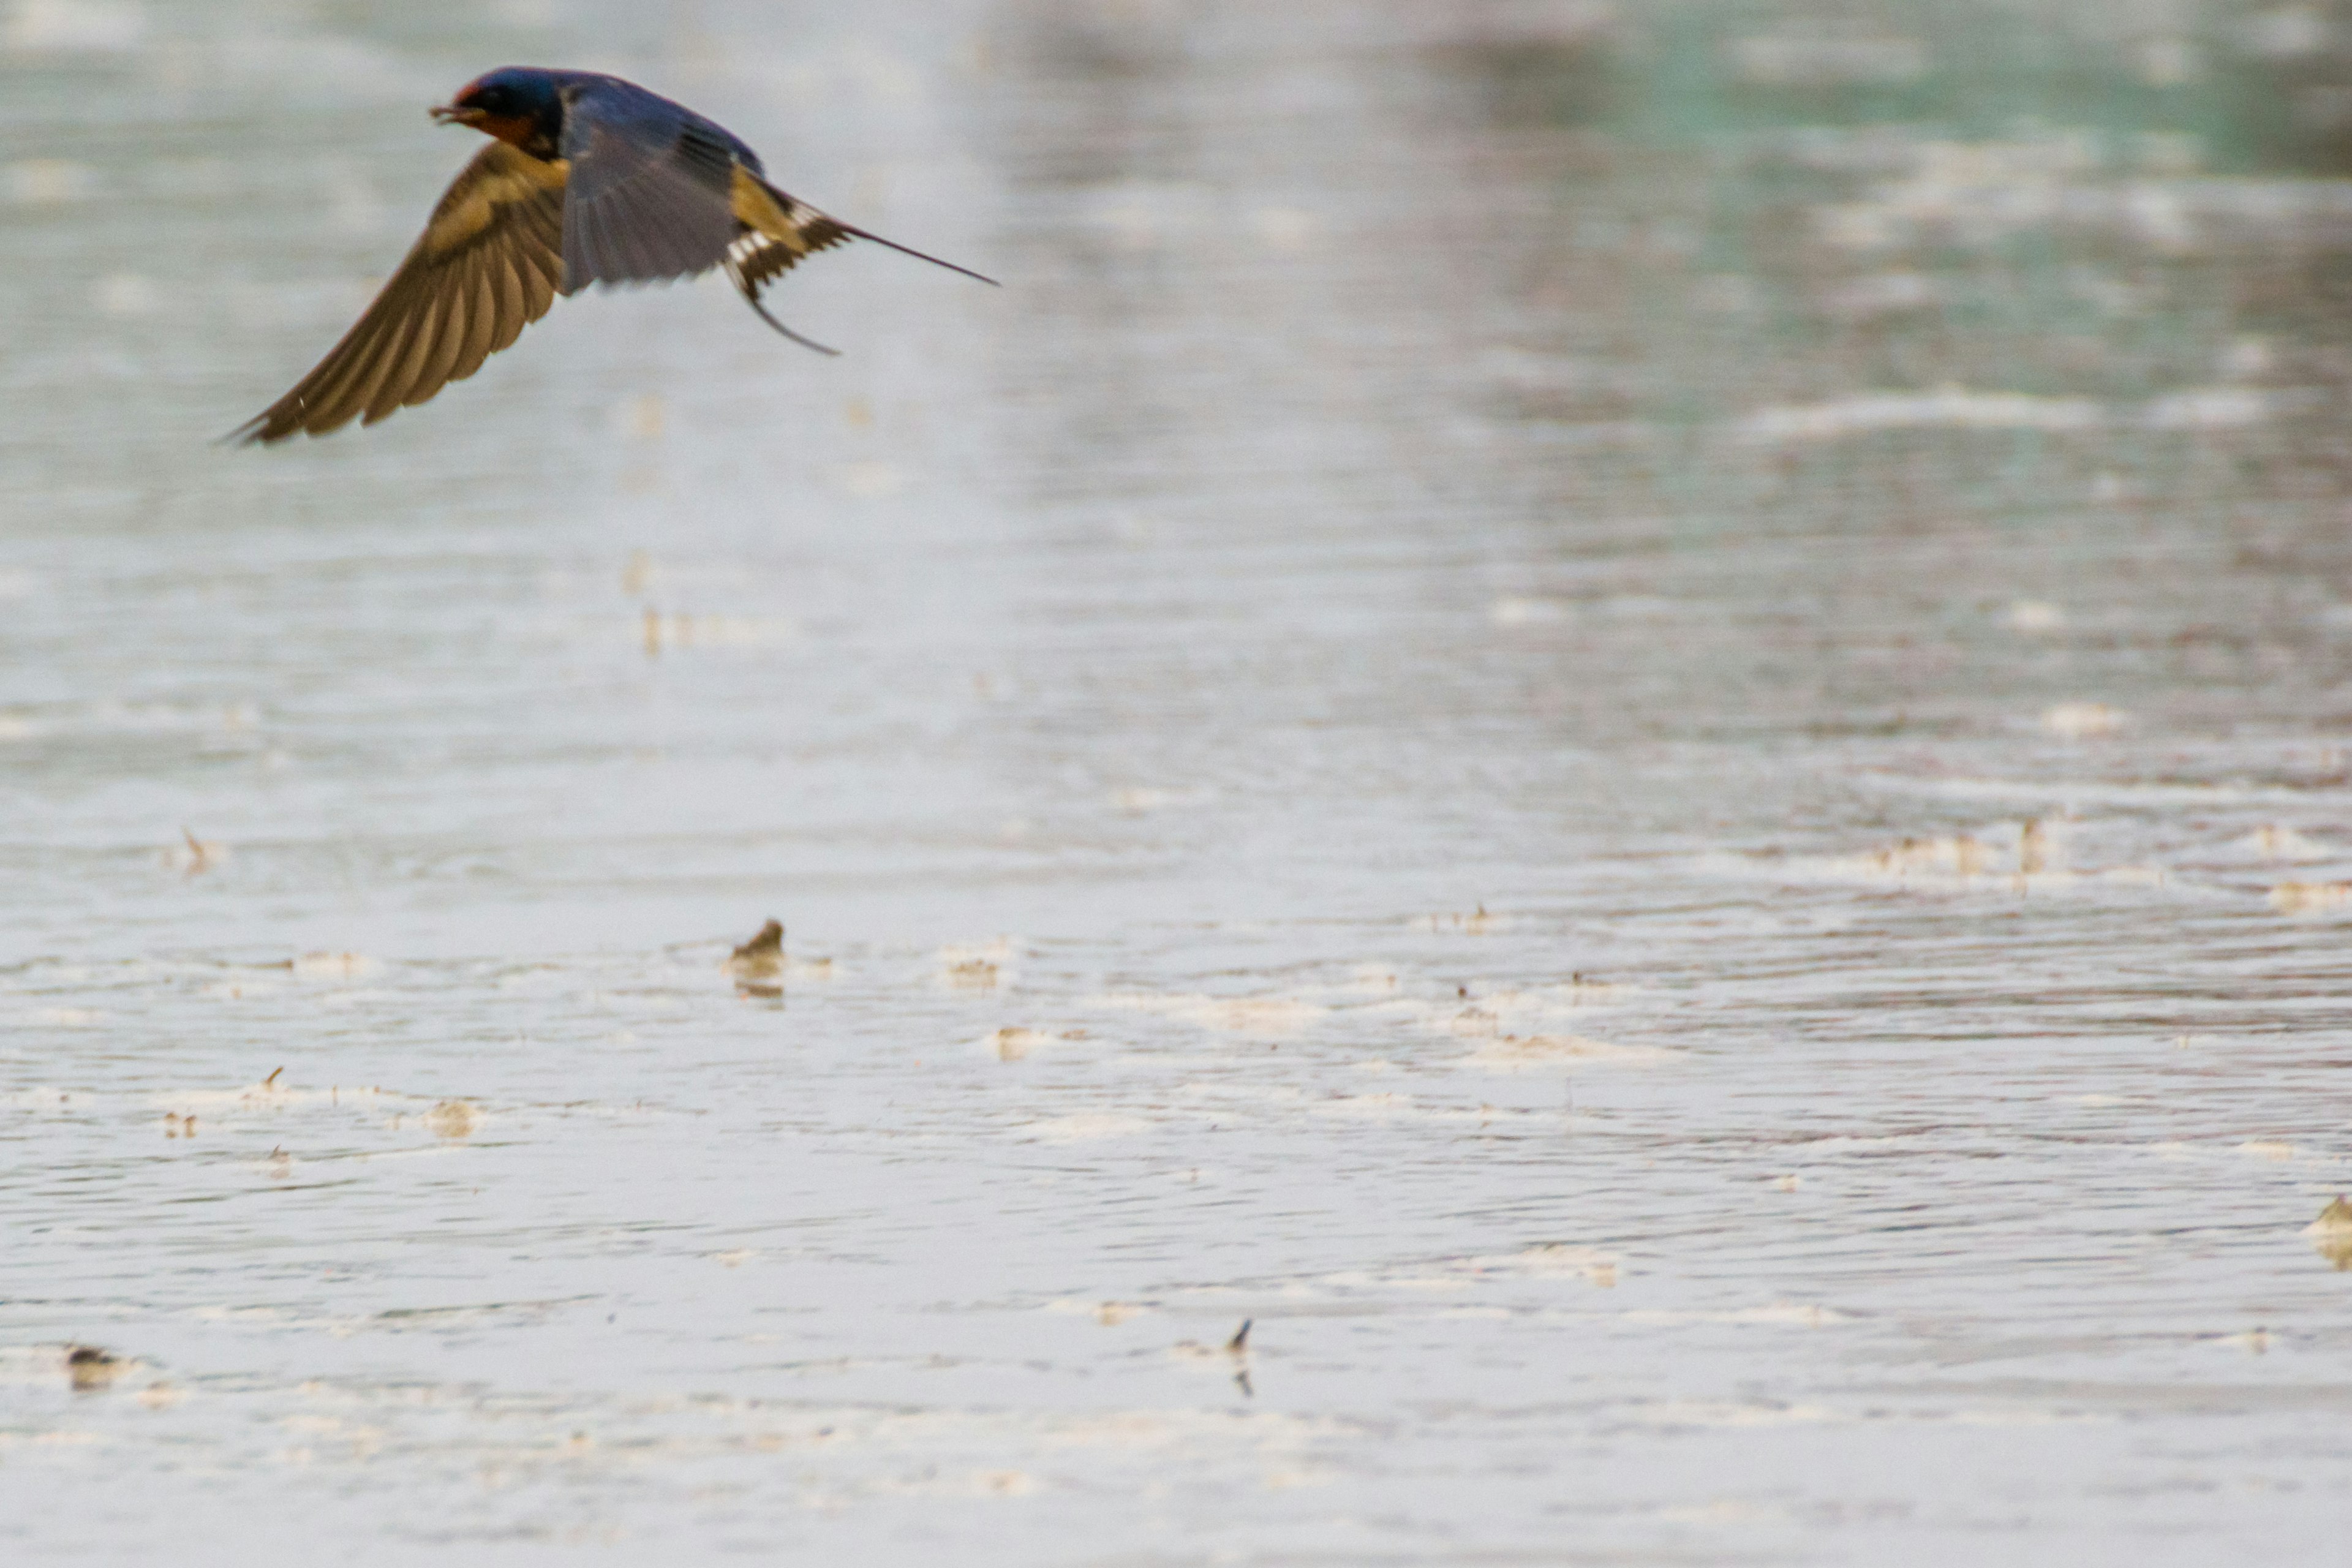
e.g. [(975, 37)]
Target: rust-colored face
[(504, 127), (472, 107)]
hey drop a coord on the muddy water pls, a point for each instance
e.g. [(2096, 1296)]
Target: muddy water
[(1633, 724)]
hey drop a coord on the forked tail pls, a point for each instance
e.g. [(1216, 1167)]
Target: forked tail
[(778, 230)]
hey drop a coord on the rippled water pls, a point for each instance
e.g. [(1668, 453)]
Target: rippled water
[(1632, 723)]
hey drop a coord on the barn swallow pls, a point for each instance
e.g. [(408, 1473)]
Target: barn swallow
[(587, 179)]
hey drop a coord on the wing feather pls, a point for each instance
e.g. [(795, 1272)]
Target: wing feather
[(582, 246), (440, 365), (631, 245), (481, 317), (400, 369), (466, 321), (513, 312), (598, 250), (505, 209), (342, 395), (649, 196), (542, 279), (348, 378)]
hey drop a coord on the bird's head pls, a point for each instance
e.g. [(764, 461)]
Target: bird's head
[(515, 104)]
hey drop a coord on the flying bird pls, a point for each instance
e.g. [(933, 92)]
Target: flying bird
[(587, 179)]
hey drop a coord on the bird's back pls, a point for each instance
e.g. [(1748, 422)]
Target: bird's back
[(642, 115)]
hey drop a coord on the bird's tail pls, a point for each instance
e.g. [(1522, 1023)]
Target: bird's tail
[(918, 254), (777, 231), (751, 298)]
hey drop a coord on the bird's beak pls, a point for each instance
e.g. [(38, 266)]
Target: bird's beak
[(453, 114)]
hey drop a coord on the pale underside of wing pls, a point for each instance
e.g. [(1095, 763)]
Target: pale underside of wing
[(489, 264)]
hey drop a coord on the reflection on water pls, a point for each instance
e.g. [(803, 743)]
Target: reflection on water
[(1627, 720)]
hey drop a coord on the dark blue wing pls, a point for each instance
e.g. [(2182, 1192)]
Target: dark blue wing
[(651, 188)]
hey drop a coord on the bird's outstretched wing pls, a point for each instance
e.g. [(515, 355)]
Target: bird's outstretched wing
[(489, 264), (652, 186)]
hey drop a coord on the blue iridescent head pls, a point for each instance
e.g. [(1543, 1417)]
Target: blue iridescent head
[(516, 103)]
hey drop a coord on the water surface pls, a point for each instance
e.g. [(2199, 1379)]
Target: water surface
[(1632, 722)]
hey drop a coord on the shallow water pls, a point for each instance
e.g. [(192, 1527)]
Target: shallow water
[(1633, 726)]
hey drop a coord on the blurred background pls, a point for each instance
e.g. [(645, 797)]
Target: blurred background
[(1630, 716)]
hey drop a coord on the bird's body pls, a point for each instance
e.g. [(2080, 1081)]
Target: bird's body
[(587, 179)]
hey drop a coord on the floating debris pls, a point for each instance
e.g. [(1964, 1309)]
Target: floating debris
[(1233, 1352), (2331, 1233), (1478, 922), (199, 856), (1010, 1044), (976, 968), (453, 1119), (1960, 855), (92, 1368), (758, 966)]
